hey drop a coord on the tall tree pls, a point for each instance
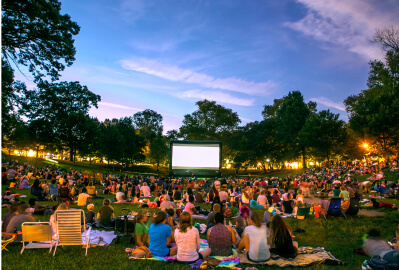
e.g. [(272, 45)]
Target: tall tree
[(210, 122), (159, 150), (291, 114), (59, 105), (133, 145), (324, 133), (36, 35), (149, 123), (374, 113)]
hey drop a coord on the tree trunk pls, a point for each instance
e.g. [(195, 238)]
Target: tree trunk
[(304, 158)]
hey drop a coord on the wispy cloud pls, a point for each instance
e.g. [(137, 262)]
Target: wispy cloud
[(174, 73), (329, 103), (118, 106), (349, 24), (246, 119), (216, 96)]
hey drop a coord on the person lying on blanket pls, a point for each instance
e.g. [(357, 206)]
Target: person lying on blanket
[(188, 241), (254, 240), (375, 245)]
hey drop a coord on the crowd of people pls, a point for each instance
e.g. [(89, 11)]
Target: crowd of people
[(171, 231)]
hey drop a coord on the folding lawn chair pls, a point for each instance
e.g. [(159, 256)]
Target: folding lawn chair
[(69, 229), (34, 232), (354, 207), (335, 209), (8, 238)]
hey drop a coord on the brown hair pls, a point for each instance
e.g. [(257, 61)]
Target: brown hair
[(140, 214), (186, 221), (256, 219), (159, 217), (216, 207), (280, 230)]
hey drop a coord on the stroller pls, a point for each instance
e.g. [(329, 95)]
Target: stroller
[(335, 209), (354, 207)]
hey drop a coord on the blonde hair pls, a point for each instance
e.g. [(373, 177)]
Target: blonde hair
[(62, 206), (90, 207)]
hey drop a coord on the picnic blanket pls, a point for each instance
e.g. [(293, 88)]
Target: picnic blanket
[(228, 261), (306, 256), (100, 238)]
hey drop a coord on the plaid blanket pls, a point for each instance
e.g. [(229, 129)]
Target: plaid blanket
[(306, 256)]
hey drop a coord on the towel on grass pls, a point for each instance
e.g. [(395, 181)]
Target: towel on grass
[(306, 256)]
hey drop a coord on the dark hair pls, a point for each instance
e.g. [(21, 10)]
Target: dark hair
[(14, 207), (170, 212), (32, 201), (191, 198), (106, 202), (36, 183), (374, 233), (159, 217), (219, 218), (84, 190)]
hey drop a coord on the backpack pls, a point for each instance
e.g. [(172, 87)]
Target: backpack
[(140, 252), (378, 263), (228, 213)]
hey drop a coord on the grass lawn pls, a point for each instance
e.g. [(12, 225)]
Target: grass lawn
[(339, 236)]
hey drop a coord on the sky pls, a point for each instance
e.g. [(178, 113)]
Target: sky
[(167, 55)]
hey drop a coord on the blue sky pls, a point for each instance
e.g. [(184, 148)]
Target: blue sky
[(167, 55)]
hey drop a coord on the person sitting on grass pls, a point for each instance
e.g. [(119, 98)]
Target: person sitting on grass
[(145, 190), (17, 221), (262, 200), (254, 240), (254, 205), (159, 235), (120, 195), (167, 203), (105, 216), (375, 245), (276, 198), (90, 215), (281, 238), (288, 204), (188, 241), (13, 212), (83, 197), (221, 237), (39, 209), (242, 219), (91, 190), (141, 228), (210, 220), (344, 194)]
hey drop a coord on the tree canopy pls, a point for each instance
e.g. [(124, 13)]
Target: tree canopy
[(36, 35)]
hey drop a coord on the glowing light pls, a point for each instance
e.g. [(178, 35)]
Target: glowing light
[(228, 166), (365, 145), (16, 152), (31, 153), (259, 164), (311, 163), (268, 160)]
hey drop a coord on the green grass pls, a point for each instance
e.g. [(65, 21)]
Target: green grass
[(339, 236)]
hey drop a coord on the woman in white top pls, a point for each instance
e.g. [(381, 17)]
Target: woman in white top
[(246, 195), (188, 241), (254, 240)]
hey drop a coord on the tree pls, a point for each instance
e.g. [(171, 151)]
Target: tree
[(91, 146), (374, 113), (111, 141), (36, 35), (210, 122), (158, 150), (10, 100), (132, 144), (388, 38), (149, 123), (290, 114), (325, 133), (61, 105)]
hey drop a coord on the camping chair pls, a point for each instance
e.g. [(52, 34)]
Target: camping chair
[(69, 229), (5, 242), (354, 208), (36, 231), (335, 209)]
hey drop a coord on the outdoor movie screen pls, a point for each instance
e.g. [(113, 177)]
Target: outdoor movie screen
[(188, 155)]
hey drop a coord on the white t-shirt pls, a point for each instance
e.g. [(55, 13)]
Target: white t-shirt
[(119, 196), (146, 191), (82, 199), (258, 250), (188, 244)]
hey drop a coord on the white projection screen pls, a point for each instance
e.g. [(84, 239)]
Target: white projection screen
[(195, 156)]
